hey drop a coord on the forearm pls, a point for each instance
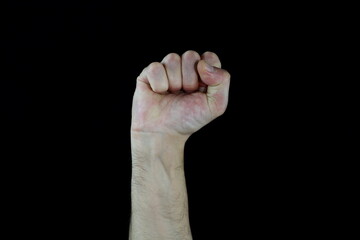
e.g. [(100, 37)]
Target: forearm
[(158, 189)]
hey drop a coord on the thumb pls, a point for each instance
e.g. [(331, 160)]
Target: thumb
[(218, 82)]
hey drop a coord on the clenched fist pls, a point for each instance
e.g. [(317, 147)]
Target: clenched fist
[(180, 95), (172, 100)]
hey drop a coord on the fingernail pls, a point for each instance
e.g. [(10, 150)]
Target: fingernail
[(209, 68)]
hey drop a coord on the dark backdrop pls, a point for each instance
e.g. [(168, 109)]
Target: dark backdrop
[(66, 95)]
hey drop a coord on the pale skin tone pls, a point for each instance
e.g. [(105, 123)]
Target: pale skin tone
[(173, 99)]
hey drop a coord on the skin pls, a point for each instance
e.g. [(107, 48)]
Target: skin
[(173, 99)]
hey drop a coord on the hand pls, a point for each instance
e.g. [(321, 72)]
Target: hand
[(180, 95)]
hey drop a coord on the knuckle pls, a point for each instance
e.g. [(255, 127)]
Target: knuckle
[(210, 54), (212, 58), (172, 58), (159, 86), (154, 68), (227, 75), (191, 54)]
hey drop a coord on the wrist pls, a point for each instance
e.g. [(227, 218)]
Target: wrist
[(158, 189), (170, 138), (157, 159), (158, 180), (146, 146)]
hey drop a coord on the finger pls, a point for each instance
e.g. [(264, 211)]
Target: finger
[(212, 59), (157, 78), (190, 80), (172, 63), (218, 82)]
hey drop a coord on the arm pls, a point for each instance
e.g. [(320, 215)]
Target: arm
[(170, 103), (158, 191)]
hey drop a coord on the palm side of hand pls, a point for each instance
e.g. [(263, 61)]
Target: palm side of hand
[(167, 97), (172, 113)]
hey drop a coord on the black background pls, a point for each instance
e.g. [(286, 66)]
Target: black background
[(260, 169)]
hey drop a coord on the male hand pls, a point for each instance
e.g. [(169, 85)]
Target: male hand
[(180, 95), (172, 100)]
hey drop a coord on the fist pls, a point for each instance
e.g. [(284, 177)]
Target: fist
[(179, 95)]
